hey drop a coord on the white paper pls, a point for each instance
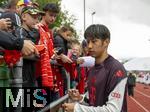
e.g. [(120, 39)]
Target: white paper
[(88, 61)]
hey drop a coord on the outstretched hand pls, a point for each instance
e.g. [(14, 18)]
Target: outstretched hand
[(75, 95), (68, 107)]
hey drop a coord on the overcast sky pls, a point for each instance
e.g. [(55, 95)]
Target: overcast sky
[(128, 21)]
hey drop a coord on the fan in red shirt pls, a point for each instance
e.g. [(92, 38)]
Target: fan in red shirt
[(76, 72), (44, 70)]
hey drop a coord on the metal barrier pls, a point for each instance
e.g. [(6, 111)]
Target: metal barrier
[(17, 80), (54, 104), (60, 100)]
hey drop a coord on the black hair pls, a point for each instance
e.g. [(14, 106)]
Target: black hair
[(98, 31), (53, 7), (84, 43)]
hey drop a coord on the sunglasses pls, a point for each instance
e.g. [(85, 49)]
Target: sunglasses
[(35, 16)]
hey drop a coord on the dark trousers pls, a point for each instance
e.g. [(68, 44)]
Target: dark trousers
[(53, 95), (131, 90)]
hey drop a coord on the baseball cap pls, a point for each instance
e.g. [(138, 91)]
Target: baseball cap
[(32, 10)]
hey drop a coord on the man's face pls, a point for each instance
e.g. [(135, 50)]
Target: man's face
[(31, 20), (97, 47), (67, 35), (50, 17)]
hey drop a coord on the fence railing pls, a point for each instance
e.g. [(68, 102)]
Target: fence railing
[(60, 100), (17, 73)]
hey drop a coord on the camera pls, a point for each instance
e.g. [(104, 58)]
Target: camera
[(13, 18), (74, 57), (13, 25), (59, 50)]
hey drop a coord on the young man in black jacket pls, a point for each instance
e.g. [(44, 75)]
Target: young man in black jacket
[(10, 41), (30, 17), (106, 80)]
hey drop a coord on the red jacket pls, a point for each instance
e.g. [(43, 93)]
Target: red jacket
[(75, 74), (43, 67)]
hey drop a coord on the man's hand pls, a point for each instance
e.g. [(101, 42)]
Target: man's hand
[(5, 24), (65, 59), (29, 48), (80, 61), (75, 95), (68, 107)]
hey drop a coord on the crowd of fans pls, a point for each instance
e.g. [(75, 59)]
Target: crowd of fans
[(46, 56), (35, 56)]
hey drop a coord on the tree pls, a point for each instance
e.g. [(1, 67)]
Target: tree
[(2, 2)]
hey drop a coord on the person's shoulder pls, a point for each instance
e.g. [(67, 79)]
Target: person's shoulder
[(114, 66), (40, 26), (58, 37), (114, 62)]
